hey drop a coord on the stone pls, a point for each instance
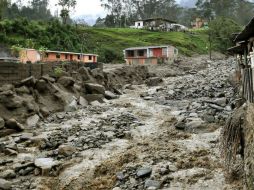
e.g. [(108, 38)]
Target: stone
[(22, 90), (85, 74), (33, 121), (94, 97), (152, 184), (144, 172), (73, 106), (41, 85), (180, 125), (13, 124), (6, 87), (48, 78), (8, 174), (220, 102), (208, 118), (44, 111), (29, 82), (110, 95), (154, 81), (82, 101), (193, 115), (4, 184), (93, 88), (6, 132), (116, 188), (66, 81), (45, 164), (120, 176), (66, 150), (2, 123)]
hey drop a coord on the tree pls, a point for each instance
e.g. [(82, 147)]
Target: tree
[(220, 32), (66, 5), (3, 6)]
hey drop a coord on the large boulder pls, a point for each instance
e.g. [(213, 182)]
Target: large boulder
[(4, 184), (41, 85), (154, 81), (93, 88), (13, 124), (66, 150), (29, 82), (33, 121), (94, 97), (66, 81), (2, 123), (85, 74)]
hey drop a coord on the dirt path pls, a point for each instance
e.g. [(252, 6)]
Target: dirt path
[(161, 137)]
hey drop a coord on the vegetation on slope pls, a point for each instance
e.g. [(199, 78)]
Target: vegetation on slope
[(109, 43)]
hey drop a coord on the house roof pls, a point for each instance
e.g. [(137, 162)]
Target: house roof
[(238, 49), (66, 52), (63, 52), (158, 18), (147, 47), (247, 32)]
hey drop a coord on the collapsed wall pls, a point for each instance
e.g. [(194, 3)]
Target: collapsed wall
[(24, 103), (238, 143)]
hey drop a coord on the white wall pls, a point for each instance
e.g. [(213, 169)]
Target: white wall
[(139, 24)]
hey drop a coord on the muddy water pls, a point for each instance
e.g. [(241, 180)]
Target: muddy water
[(156, 120)]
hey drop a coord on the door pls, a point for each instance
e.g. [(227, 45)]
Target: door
[(71, 57)]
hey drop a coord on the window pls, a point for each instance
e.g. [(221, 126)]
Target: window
[(141, 53), (139, 24), (130, 53), (46, 55), (58, 55), (66, 56), (78, 56), (90, 58)]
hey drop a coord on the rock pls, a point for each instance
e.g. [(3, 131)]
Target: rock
[(8, 174), (95, 103), (154, 81), (13, 124), (110, 95), (193, 115), (44, 111), (6, 87), (41, 85), (144, 172), (73, 106), (120, 176), (94, 97), (180, 125), (82, 101), (220, 102), (45, 164), (4, 184), (208, 118), (2, 123), (66, 150), (66, 81), (152, 184), (116, 188), (22, 90), (85, 74), (93, 88), (6, 132), (214, 106), (29, 82), (48, 78), (33, 121)]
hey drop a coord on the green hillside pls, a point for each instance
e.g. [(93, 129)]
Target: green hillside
[(109, 43)]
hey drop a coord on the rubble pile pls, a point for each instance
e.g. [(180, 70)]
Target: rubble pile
[(22, 105), (208, 94)]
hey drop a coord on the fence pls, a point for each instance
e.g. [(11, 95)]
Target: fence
[(15, 72)]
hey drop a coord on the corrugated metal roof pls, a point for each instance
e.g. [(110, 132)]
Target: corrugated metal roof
[(158, 18), (147, 47), (64, 52), (247, 32)]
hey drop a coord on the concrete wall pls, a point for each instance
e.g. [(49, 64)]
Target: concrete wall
[(14, 72), (29, 55)]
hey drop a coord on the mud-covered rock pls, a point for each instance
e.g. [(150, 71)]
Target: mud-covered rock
[(29, 82), (93, 88), (5, 185), (13, 124), (66, 81)]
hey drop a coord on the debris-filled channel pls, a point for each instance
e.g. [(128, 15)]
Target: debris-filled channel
[(159, 135)]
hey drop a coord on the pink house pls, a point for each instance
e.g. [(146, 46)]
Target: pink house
[(33, 56)]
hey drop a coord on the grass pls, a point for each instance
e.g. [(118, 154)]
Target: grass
[(121, 38)]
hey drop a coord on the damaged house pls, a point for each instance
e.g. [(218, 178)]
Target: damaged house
[(244, 54), (155, 24), (150, 55)]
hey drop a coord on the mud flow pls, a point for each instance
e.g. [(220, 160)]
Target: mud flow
[(162, 133)]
